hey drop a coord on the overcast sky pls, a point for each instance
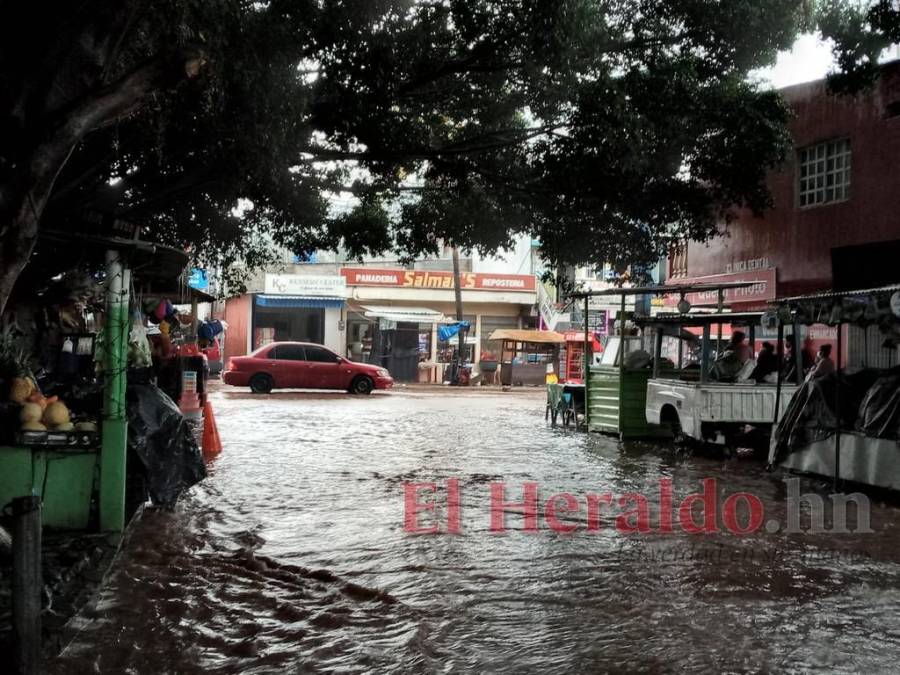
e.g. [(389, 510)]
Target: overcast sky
[(810, 59)]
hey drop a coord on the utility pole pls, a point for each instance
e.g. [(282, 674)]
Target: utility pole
[(457, 289)]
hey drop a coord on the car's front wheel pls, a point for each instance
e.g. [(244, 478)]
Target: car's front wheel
[(362, 384), (261, 384)]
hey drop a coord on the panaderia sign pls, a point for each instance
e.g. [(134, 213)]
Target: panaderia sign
[(471, 281)]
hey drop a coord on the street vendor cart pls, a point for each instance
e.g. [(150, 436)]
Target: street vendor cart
[(525, 355)]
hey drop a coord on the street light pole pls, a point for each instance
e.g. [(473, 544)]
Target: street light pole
[(457, 289)]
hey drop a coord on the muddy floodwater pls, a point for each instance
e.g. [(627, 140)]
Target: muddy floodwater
[(292, 557)]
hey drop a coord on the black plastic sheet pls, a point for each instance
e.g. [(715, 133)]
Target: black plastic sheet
[(879, 414), (869, 402), (159, 435)]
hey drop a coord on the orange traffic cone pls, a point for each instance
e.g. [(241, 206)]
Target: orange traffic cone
[(212, 444)]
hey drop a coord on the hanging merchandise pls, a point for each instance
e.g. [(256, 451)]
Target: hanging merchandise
[(139, 347), (164, 310), (207, 330)]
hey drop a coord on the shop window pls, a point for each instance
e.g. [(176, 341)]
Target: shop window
[(678, 260), (424, 345), (288, 353), (824, 173)]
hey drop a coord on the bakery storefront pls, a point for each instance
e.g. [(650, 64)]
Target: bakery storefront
[(394, 316)]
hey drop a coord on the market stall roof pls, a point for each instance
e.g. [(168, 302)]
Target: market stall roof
[(831, 295), (663, 289), (182, 295), (523, 335), (864, 306), (404, 314), (149, 262)]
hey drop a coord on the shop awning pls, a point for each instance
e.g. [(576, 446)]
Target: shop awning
[(299, 301), (403, 314)]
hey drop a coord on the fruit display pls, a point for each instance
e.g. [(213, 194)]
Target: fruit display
[(31, 412), (42, 413), (20, 389), (56, 414)]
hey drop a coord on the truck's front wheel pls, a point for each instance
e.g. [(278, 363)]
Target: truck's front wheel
[(669, 418)]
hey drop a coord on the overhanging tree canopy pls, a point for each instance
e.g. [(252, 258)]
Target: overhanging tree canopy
[(607, 128), (860, 32)]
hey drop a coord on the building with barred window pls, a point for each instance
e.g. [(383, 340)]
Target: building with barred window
[(835, 221)]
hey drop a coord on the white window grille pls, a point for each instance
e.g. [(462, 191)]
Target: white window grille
[(824, 172)]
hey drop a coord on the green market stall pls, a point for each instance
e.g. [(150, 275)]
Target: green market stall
[(79, 470)]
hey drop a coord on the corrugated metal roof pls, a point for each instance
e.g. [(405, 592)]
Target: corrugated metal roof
[(827, 295)]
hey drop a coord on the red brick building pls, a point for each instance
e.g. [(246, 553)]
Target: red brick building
[(835, 221), (839, 188)]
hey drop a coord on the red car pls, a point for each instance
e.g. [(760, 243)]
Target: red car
[(303, 365)]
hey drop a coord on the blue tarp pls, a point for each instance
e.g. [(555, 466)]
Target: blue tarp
[(448, 331)]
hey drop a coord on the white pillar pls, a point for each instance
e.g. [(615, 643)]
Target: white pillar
[(477, 359)]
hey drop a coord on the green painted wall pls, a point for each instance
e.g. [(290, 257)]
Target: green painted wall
[(64, 479)]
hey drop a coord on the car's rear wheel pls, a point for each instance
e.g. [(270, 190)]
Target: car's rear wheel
[(362, 384), (261, 383)]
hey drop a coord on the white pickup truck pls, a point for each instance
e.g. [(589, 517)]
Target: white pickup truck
[(711, 411)]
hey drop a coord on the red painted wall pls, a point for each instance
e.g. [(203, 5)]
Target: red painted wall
[(237, 314), (796, 241)]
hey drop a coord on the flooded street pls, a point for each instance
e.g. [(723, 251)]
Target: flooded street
[(292, 557)]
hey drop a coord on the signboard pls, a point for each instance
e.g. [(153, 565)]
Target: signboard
[(471, 281), (598, 320), (763, 289), (306, 284), (198, 279)]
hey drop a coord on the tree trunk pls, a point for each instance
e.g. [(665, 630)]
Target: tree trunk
[(16, 245)]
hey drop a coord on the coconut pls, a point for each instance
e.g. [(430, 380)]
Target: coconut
[(20, 389), (56, 413), (33, 426), (31, 412)]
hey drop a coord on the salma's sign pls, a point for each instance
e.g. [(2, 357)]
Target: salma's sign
[(438, 280)]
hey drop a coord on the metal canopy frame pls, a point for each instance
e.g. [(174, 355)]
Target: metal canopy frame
[(658, 289)]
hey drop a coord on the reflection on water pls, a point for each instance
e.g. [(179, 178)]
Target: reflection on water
[(292, 557)]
